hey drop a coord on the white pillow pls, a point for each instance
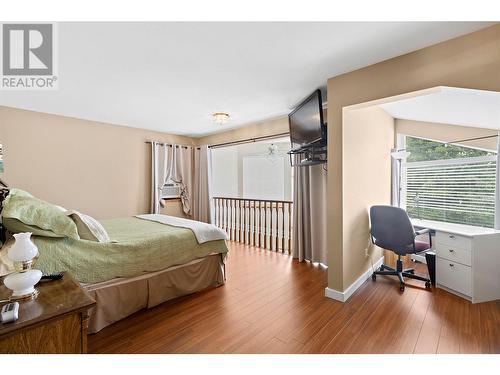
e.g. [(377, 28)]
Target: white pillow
[(6, 265), (88, 227)]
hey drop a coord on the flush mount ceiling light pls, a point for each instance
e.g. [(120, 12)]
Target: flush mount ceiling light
[(220, 117)]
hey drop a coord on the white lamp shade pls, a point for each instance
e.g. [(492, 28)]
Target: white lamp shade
[(23, 249)]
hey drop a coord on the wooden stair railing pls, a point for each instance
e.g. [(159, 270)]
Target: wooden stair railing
[(258, 222)]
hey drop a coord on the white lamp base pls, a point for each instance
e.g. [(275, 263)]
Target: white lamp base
[(23, 284)]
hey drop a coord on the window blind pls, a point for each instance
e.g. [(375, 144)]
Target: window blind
[(455, 190)]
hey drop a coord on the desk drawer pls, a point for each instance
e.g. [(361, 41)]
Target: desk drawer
[(454, 240), (455, 254), (454, 276)]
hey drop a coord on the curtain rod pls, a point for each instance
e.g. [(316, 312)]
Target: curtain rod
[(167, 144), (242, 141), (249, 140)]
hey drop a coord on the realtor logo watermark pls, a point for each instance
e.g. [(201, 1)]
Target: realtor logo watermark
[(28, 56)]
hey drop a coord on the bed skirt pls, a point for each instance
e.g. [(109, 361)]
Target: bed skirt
[(119, 298)]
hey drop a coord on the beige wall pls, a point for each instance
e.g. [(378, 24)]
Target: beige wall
[(100, 169), (97, 168), (471, 61), (448, 133), (367, 174), (260, 129)]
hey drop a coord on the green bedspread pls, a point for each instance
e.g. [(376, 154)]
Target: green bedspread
[(141, 246)]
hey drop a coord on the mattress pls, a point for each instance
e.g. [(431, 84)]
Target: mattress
[(139, 247)]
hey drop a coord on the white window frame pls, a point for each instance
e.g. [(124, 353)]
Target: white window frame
[(401, 144)]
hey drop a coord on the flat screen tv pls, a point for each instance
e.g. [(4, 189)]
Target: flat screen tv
[(306, 122)]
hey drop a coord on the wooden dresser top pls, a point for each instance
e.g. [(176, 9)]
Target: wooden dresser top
[(55, 299)]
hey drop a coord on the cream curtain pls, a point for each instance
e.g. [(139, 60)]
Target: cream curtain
[(155, 197), (171, 162), (183, 175), (161, 169), (309, 213), (497, 189), (202, 199), (192, 169), (166, 156)]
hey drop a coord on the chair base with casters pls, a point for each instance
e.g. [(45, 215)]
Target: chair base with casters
[(401, 274)]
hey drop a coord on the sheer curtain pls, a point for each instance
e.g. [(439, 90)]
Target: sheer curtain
[(309, 213), (202, 199)]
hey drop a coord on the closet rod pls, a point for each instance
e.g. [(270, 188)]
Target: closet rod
[(249, 140)]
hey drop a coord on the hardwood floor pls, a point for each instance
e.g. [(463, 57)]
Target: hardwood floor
[(273, 304)]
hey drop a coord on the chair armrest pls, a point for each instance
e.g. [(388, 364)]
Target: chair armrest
[(422, 231)]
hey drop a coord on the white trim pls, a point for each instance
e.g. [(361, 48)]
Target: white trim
[(344, 296), (450, 162), (333, 294), (497, 188), (401, 144)]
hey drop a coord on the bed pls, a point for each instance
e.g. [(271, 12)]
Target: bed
[(144, 264)]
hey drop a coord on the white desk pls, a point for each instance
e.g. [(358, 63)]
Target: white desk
[(467, 259)]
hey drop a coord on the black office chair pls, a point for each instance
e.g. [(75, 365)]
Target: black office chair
[(391, 229)]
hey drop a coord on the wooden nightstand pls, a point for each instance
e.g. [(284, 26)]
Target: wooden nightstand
[(55, 322)]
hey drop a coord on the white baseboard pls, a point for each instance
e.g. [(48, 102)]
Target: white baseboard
[(344, 296)]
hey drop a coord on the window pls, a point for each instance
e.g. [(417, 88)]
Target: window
[(449, 183), (258, 170)]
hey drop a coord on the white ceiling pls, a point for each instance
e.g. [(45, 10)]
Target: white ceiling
[(170, 77), (450, 105)]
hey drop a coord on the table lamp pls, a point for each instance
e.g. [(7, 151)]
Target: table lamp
[(23, 281)]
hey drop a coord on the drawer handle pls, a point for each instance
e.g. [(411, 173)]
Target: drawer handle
[(451, 236), (451, 250), (452, 265)]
